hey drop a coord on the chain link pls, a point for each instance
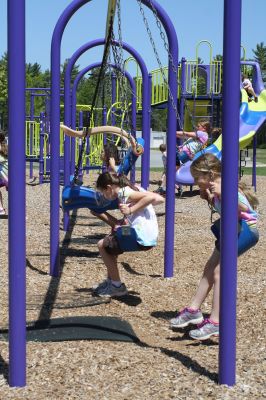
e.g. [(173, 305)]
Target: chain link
[(158, 23), (119, 61)]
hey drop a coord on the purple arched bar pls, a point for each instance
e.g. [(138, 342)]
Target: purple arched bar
[(230, 152), (55, 132), (145, 160), (16, 195), (132, 86), (96, 65), (171, 139)]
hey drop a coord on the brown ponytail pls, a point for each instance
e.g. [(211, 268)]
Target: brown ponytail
[(106, 179)]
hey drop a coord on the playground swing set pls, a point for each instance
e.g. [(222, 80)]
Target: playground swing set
[(71, 195), (230, 122)]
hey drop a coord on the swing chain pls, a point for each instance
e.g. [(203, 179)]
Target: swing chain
[(170, 56), (120, 73), (166, 46), (158, 58)]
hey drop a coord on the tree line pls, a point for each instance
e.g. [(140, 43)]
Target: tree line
[(35, 77)]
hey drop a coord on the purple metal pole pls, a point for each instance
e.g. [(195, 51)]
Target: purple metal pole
[(171, 139), (145, 166), (16, 195), (229, 217), (254, 180), (31, 130), (55, 131), (104, 115), (182, 91), (133, 121), (80, 140), (41, 160)]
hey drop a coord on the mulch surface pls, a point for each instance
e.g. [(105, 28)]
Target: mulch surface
[(163, 364)]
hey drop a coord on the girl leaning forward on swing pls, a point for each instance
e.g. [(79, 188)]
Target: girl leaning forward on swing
[(136, 205)]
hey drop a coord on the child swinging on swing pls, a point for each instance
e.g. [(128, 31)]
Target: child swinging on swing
[(139, 233), (206, 170), (194, 143)]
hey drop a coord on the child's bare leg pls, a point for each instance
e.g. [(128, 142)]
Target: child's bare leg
[(207, 281), (163, 181), (107, 218), (251, 92), (110, 262), (216, 295)]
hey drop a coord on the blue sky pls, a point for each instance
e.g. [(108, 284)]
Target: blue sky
[(194, 20)]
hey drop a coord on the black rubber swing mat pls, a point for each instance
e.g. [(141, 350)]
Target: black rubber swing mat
[(78, 328)]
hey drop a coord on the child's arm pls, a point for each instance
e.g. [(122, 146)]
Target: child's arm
[(140, 200), (206, 195), (112, 166), (215, 187), (242, 206), (181, 134)]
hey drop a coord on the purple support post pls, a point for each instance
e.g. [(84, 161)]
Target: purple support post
[(229, 217), (254, 180), (104, 115), (31, 130), (171, 139), (55, 132), (80, 140), (133, 120), (208, 79), (182, 91), (145, 162), (16, 195), (41, 160)]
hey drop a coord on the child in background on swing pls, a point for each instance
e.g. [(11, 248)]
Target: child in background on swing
[(110, 157), (206, 171), (194, 143), (136, 205), (162, 183)]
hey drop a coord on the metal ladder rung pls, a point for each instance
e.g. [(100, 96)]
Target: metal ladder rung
[(202, 116), (203, 105)]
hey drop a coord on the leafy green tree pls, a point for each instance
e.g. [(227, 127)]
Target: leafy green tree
[(260, 55), (74, 72), (3, 90)]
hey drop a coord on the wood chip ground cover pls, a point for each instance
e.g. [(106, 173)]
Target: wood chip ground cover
[(165, 364)]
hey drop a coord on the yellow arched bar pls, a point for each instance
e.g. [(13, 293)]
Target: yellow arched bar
[(210, 62)]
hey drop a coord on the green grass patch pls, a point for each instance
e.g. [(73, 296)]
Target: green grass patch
[(152, 169), (261, 171)]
